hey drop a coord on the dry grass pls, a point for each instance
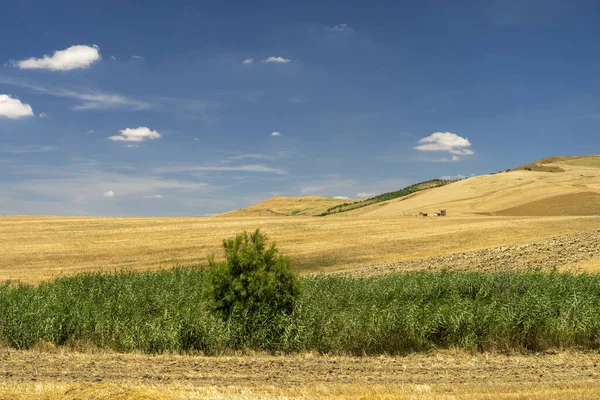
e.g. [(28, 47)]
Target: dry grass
[(42, 248), (99, 391), (287, 206), (499, 193), (443, 375)]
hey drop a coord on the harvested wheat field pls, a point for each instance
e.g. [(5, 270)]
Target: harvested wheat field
[(53, 374), (41, 248)]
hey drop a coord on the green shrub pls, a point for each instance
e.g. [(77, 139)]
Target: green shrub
[(255, 282)]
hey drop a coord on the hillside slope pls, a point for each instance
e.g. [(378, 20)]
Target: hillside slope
[(286, 206), (552, 186)]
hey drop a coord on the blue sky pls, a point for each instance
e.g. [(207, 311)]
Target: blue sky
[(154, 108)]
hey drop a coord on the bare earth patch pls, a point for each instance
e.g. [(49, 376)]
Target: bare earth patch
[(575, 252), (53, 375)]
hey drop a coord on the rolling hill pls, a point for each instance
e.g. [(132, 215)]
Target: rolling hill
[(553, 186), (288, 206)]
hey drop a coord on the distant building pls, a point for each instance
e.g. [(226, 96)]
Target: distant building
[(440, 213)]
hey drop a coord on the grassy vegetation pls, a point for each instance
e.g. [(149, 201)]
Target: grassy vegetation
[(165, 311), (385, 196)]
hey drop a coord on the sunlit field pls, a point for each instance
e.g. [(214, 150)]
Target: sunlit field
[(34, 249)]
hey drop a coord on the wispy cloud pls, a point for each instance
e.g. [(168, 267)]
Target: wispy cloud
[(74, 57), (277, 60), (90, 99), (153, 196), (248, 61), (28, 149), (138, 134), (13, 108), (110, 193), (339, 28), (363, 195), (230, 168), (342, 197), (276, 134), (452, 177)]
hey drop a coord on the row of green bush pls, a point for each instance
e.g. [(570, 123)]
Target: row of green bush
[(167, 311), (417, 187)]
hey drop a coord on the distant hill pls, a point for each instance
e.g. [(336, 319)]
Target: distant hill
[(288, 206), (552, 186), (349, 206)]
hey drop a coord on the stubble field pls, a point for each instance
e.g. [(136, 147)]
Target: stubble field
[(34, 249)]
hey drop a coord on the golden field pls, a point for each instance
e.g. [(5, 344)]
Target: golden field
[(41, 248), (485, 211)]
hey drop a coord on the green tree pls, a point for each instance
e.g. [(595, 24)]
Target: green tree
[(255, 281)]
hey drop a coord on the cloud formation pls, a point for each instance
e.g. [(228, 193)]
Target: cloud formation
[(277, 60), (242, 168), (14, 108), (110, 193), (339, 28), (79, 56), (138, 134), (452, 177), (363, 195), (446, 141), (341, 197), (153, 196), (276, 134), (248, 61)]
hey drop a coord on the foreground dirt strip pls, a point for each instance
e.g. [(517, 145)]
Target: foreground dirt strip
[(76, 375)]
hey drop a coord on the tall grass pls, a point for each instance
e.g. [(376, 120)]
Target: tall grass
[(419, 311)]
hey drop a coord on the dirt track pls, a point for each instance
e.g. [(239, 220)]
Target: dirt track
[(296, 371), (546, 254)]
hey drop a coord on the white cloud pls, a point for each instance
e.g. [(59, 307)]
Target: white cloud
[(455, 158), (363, 195), (277, 60), (137, 57), (154, 196), (132, 146), (465, 152), (13, 108), (80, 56), (452, 177), (113, 58), (342, 197), (138, 134), (445, 141), (43, 115), (110, 193), (276, 134), (339, 28), (248, 61), (196, 139)]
